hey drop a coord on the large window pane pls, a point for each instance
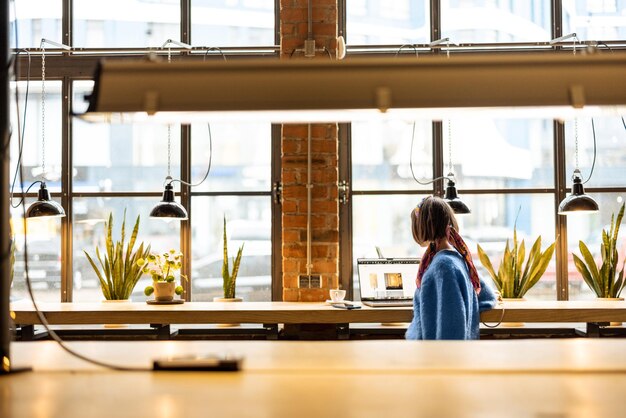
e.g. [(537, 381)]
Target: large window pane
[(594, 19), (43, 243), (610, 162), (381, 155), (241, 159), (467, 21), (89, 233), (232, 23), (249, 223), (36, 19), (387, 22), (36, 129), (588, 228), (491, 224), (125, 23), (499, 153), (111, 158)]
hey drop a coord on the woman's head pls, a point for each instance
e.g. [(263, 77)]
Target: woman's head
[(430, 220)]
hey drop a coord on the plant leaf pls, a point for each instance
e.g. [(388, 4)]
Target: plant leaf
[(584, 271), (486, 262)]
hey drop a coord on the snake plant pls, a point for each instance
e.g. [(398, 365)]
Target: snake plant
[(230, 278), (120, 270), (514, 279), (605, 282)]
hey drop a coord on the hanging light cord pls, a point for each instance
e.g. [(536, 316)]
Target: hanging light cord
[(20, 170), (450, 175), (593, 164), (170, 180)]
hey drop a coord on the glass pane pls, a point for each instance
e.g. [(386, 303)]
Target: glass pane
[(491, 224), (384, 23), (588, 228), (125, 23), (232, 23), (468, 21), (499, 153), (36, 19), (381, 155), (610, 167), (113, 158), (249, 223), (241, 158), (44, 256), (595, 20), (89, 233), (36, 129)]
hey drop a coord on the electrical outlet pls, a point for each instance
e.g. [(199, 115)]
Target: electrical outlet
[(315, 281), (304, 282), (309, 48)]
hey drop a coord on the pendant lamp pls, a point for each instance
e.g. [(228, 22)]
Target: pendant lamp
[(44, 206), (451, 196), (578, 201)]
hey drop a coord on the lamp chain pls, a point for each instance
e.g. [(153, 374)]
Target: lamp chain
[(169, 150), (449, 147), (43, 112), (576, 141)]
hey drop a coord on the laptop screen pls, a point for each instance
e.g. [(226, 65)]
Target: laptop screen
[(387, 278)]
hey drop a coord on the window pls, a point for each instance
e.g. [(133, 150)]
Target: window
[(494, 22), (595, 20), (36, 19)]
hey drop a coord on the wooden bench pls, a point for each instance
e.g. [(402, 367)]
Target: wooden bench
[(593, 313)]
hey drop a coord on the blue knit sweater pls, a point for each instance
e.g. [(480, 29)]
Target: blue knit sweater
[(446, 306)]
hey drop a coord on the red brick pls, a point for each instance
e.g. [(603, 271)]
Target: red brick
[(313, 295), (322, 146), (290, 280), (292, 14), (290, 192), (321, 267), (294, 251), (291, 146), (296, 130), (324, 14), (291, 266), (323, 30), (290, 236), (325, 236), (293, 221), (291, 295), (326, 207)]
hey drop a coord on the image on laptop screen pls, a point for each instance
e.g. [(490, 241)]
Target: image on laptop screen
[(387, 278)]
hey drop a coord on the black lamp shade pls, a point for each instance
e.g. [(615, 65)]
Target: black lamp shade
[(578, 201), (168, 207), (44, 206), (451, 197)]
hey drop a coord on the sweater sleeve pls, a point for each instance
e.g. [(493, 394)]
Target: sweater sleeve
[(487, 297), (442, 310)]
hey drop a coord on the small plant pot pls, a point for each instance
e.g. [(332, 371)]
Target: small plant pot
[(613, 324), (227, 300), (116, 301), (512, 324), (164, 291)]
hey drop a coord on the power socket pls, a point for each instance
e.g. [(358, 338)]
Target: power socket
[(314, 281), (309, 48)]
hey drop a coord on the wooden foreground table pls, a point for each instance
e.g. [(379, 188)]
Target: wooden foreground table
[(527, 378)]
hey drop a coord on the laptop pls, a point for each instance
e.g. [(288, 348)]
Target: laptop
[(385, 282)]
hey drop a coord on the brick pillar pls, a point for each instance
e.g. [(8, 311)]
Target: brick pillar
[(324, 156)]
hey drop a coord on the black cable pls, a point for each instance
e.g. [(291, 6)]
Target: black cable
[(213, 48), (425, 183), (593, 164), (414, 46), (208, 168)]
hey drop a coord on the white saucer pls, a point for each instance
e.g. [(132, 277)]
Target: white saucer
[(341, 302)]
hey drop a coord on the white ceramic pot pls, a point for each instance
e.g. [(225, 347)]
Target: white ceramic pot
[(164, 291)]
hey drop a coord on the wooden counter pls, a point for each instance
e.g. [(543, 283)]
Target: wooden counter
[(530, 378)]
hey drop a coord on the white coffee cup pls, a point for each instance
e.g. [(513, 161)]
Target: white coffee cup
[(337, 295)]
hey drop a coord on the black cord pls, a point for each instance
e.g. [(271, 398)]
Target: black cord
[(414, 46), (593, 164), (423, 183), (208, 168), (213, 48), (20, 134)]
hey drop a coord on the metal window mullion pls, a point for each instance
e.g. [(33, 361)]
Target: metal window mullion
[(277, 223), (438, 157), (66, 192), (185, 200), (560, 221), (185, 21), (345, 211), (67, 21), (556, 19), (435, 21)]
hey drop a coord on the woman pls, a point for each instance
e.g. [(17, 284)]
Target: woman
[(449, 295)]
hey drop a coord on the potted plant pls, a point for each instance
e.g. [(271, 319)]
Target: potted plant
[(162, 268), (604, 281), (229, 278), (120, 270), (514, 278)]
